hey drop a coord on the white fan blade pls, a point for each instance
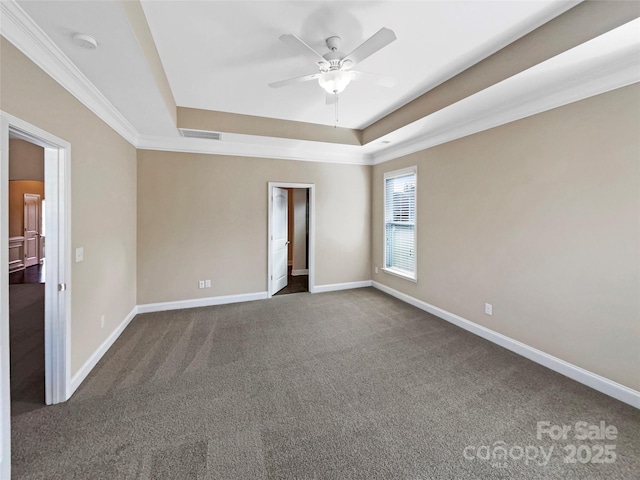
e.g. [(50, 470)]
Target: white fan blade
[(291, 81), (331, 98), (381, 80), (302, 48), (380, 39)]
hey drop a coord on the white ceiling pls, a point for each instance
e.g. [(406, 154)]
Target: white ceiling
[(117, 67), (221, 56)]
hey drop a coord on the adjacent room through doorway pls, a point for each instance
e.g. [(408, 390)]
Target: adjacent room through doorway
[(290, 238), (298, 238), (26, 275)]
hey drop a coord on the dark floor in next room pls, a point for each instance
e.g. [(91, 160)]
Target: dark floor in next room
[(295, 284), (34, 274), (26, 339)]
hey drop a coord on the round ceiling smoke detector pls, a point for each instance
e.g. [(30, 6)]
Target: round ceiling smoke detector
[(85, 41)]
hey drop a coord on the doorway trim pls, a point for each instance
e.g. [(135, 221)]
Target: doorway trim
[(312, 230), (57, 323)]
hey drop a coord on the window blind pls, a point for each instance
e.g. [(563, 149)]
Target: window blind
[(400, 219)]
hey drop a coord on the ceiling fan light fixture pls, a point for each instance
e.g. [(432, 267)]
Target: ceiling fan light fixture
[(335, 81)]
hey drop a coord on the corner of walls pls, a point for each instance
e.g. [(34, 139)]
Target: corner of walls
[(539, 217), (102, 200), (201, 302), (334, 287), (93, 360), (95, 357)]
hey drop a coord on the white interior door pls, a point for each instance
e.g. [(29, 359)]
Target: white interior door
[(31, 229), (279, 239)]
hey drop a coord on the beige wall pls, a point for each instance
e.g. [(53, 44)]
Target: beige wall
[(26, 160), (268, 127), (205, 217), (541, 218), (583, 22), (103, 192)]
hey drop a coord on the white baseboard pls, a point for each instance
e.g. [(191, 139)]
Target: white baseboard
[(93, 360), (201, 302), (341, 286), (301, 271), (590, 379)]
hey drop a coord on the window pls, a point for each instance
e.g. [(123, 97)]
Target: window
[(400, 222)]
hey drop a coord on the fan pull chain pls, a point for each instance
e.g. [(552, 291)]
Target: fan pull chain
[(336, 110)]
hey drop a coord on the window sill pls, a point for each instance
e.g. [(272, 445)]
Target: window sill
[(400, 273)]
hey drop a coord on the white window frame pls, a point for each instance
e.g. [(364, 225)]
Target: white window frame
[(394, 271)]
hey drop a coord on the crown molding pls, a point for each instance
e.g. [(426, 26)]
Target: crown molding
[(481, 53), (530, 92), (18, 28), (534, 91), (260, 147)]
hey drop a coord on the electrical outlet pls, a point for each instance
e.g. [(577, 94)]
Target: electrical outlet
[(488, 309), (201, 284), (376, 269), (207, 284), (102, 321)]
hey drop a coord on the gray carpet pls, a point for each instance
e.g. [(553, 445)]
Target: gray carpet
[(344, 385)]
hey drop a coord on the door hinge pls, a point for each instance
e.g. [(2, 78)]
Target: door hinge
[(271, 277), (62, 287)]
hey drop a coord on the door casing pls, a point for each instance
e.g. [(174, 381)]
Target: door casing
[(312, 233), (57, 171)]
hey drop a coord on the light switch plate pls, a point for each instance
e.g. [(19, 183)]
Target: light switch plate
[(79, 254)]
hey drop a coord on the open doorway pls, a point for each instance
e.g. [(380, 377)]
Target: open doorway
[(51, 259), (298, 242), (290, 238), (27, 275)]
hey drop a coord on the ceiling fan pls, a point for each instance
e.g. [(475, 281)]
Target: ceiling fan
[(335, 67)]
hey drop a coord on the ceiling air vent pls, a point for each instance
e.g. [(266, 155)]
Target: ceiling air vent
[(188, 132)]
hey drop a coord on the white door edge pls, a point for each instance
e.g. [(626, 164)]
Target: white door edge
[(312, 216)]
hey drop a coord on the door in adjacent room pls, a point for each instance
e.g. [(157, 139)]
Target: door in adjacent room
[(31, 229), (280, 239)]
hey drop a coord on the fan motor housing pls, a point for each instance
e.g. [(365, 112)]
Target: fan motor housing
[(334, 42), (334, 56)]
